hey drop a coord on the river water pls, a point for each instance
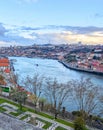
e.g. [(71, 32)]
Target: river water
[(50, 68)]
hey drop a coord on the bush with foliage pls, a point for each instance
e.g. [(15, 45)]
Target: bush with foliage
[(79, 124)]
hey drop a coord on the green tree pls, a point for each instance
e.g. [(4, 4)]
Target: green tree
[(79, 124)]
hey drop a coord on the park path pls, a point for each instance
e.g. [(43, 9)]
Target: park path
[(54, 123)]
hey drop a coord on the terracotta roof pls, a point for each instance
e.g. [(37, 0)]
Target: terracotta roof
[(3, 64), (7, 70), (24, 90), (4, 60)]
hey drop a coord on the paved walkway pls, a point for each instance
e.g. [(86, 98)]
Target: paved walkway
[(53, 126), (55, 123), (39, 124), (10, 123)]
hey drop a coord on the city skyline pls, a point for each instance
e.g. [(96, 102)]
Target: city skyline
[(25, 22)]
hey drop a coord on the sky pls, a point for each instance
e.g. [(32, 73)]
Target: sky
[(27, 22)]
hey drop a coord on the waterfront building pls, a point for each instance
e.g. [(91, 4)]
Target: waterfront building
[(4, 64), (6, 76)]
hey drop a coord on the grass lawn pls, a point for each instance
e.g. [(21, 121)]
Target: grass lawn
[(65, 122), (45, 115), (47, 124), (2, 100), (23, 117), (60, 128), (15, 113), (2, 109)]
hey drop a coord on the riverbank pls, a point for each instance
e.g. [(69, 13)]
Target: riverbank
[(80, 69)]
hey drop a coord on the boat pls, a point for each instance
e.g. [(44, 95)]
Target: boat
[(36, 64)]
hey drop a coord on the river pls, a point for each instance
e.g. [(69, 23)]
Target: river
[(50, 68)]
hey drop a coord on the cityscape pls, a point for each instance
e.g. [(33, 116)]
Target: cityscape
[(51, 65)]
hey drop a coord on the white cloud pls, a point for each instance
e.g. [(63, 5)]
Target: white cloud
[(97, 33), (7, 44), (29, 35), (69, 37)]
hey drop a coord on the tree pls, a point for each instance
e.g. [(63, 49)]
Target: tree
[(0, 91), (13, 80), (56, 94), (20, 95), (42, 102), (79, 124), (2, 80), (85, 94), (34, 85), (100, 111)]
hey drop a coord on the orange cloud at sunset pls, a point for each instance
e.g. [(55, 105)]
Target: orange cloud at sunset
[(94, 38)]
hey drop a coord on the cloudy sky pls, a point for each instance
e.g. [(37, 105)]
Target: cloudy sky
[(25, 22)]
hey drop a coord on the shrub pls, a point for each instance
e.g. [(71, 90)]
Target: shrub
[(79, 124)]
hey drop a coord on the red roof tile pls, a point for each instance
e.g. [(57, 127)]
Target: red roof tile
[(7, 70), (4, 60), (4, 64)]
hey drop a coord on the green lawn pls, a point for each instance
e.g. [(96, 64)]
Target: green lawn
[(24, 117), (65, 122), (2, 100), (47, 124), (2, 109), (45, 115), (24, 109), (60, 128), (15, 113)]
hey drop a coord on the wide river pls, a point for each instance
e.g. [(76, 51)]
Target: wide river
[(50, 68)]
